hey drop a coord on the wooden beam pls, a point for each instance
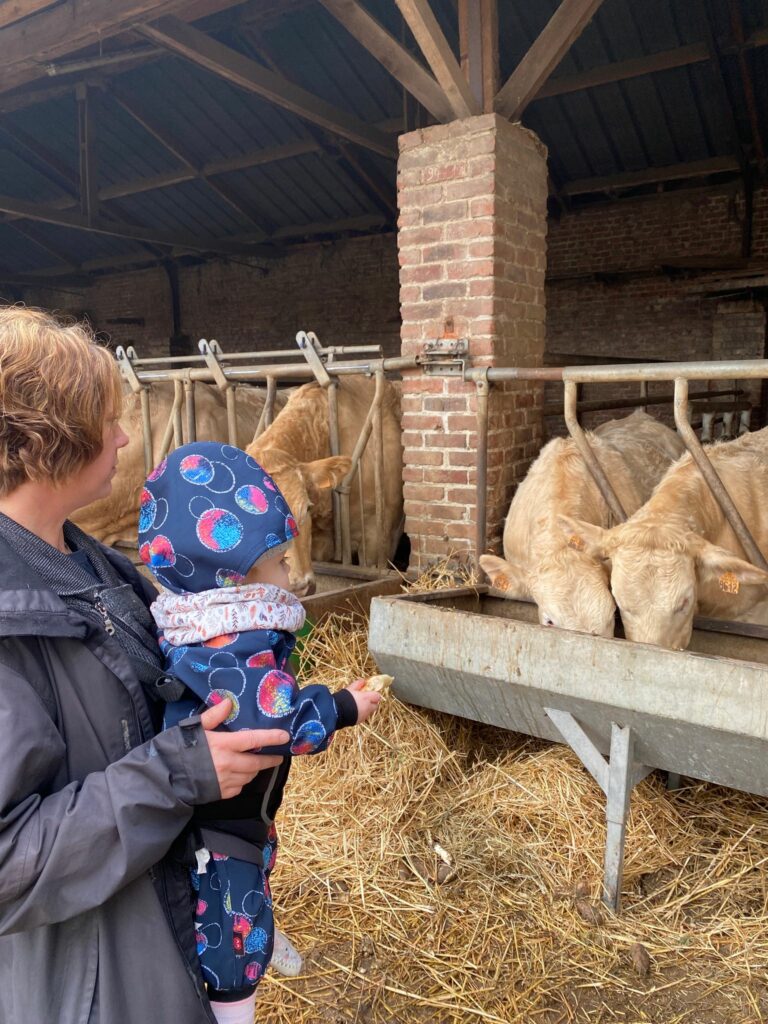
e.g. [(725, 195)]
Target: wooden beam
[(181, 153), (428, 34), (619, 71), (255, 158), (31, 232), (86, 145), (44, 160), (69, 26), (222, 60), (15, 10), (392, 54), (747, 84), (479, 49), (471, 46), (652, 175), (50, 215), (555, 40)]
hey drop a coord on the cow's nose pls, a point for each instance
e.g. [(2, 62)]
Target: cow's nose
[(305, 589)]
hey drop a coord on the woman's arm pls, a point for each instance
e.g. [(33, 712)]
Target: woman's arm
[(63, 853)]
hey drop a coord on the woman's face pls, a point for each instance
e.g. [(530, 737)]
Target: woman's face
[(95, 480)]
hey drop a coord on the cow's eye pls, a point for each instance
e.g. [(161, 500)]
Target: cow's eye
[(681, 607)]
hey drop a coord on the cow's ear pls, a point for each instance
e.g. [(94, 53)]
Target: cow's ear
[(325, 473), (583, 536), (715, 564), (506, 576)]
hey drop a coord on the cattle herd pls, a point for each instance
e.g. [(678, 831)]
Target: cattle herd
[(675, 556), (294, 449)]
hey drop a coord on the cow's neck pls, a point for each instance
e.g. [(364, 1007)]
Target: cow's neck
[(301, 429)]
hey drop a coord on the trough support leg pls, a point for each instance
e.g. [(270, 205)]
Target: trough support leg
[(674, 781), (617, 777)]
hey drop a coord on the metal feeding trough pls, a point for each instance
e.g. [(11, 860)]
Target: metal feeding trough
[(624, 708)]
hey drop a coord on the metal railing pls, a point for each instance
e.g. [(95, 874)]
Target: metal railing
[(228, 371), (679, 374)]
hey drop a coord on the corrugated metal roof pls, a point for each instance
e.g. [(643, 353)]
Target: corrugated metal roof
[(667, 118)]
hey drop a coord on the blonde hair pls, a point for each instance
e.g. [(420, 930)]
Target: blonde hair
[(57, 388)]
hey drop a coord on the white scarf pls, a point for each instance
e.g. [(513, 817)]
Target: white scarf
[(194, 618)]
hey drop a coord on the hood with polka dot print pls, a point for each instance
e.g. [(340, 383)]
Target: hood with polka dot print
[(208, 513)]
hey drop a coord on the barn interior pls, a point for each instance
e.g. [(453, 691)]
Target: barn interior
[(231, 171), (566, 182)]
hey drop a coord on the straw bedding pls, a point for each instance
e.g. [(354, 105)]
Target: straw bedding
[(436, 870)]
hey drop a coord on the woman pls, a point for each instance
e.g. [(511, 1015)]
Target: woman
[(96, 917)]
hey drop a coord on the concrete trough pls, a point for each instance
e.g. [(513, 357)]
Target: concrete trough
[(624, 708)]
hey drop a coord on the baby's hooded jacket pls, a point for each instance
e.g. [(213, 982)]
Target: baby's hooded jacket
[(208, 513)]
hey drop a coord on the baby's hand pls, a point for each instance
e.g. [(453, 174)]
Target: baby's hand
[(366, 700)]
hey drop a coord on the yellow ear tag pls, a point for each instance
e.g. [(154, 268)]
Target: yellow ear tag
[(729, 582), (574, 541), (502, 583)]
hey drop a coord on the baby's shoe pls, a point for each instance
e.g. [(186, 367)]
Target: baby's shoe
[(286, 959)]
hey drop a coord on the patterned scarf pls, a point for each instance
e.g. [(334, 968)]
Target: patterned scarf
[(195, 618)]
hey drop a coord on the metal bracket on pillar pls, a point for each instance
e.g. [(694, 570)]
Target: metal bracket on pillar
[(617, 777), (444, 357)]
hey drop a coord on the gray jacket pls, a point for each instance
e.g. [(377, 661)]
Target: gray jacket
[(96, 919)]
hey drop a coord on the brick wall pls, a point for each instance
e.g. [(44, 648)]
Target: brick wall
[(472, 251), (346, 292)]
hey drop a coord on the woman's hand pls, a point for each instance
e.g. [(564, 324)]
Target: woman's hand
[(233, 754)]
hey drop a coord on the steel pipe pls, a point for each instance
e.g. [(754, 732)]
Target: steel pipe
[(734, 369), (708, 471), (482, 390), (594, 467), (345, 485), (284, 372), (165, 444), (606, 404), (146, 430), (189, 403), (378, 478), (333, 435)]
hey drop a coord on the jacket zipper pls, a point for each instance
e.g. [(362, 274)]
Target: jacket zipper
[(108, 623)]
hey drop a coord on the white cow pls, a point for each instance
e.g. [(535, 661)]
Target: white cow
[(540, 562), (678, 555)]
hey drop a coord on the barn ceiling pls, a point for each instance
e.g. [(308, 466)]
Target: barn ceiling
[(139, 148)]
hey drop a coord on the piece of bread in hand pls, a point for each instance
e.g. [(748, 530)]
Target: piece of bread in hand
[(378, 684)]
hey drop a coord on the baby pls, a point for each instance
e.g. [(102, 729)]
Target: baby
[(214, 529)]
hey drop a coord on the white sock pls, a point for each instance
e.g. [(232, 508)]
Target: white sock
[(241, 1012)]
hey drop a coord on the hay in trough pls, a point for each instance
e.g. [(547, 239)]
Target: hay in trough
[(436, 870)]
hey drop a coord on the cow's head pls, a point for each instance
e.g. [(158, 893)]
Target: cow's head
[(570, 589), (303, 485), (658, 575)]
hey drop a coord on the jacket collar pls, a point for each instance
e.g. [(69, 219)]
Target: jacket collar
[(28, 607)]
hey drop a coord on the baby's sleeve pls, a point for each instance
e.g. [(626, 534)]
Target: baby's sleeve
[(266, 697)]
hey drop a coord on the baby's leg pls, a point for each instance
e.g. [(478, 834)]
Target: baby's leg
[(232, 1008)]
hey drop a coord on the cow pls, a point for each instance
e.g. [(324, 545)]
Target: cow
[(554, 570), (295, 450), (678, 555), (114, 520)]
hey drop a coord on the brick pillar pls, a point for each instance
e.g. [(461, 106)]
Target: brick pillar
[(472, 249)]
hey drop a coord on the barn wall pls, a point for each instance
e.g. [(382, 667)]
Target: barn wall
[(349, 290), (346, 292)]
